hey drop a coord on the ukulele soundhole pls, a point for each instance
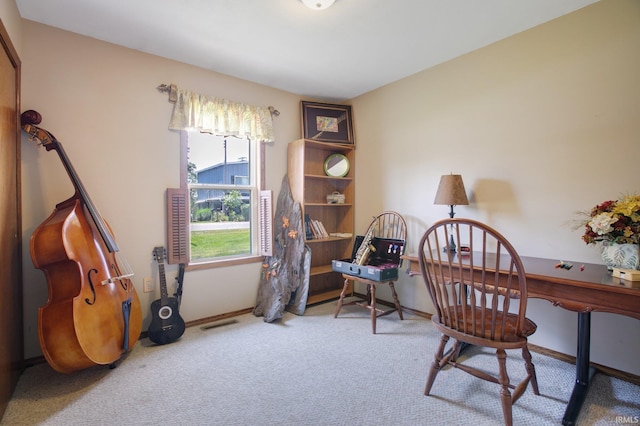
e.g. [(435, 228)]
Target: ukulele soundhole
[(165, 312)]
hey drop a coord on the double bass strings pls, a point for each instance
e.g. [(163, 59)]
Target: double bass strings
[(122, 267)]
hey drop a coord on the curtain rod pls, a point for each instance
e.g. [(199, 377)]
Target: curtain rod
[(172, 90)]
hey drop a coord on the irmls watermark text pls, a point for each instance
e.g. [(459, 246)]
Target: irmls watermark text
[(628, 420)]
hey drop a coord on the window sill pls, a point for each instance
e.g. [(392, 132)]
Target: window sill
[(195, 266)]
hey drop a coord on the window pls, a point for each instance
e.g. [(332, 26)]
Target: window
[(216, 195), (222, 177)]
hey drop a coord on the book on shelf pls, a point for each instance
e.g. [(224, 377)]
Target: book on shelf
[(323, 231), (314, 229), (320, 232), (308, 232)]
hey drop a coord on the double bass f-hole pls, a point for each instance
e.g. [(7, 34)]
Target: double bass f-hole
[(92, 287)]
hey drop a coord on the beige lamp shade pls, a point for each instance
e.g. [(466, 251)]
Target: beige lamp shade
[(451, 191)]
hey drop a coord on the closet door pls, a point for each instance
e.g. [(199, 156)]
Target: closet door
[(11, 337)]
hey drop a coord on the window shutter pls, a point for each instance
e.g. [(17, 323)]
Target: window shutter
[(177, 225), (266, 223)]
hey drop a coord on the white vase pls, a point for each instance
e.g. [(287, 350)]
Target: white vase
[(625, 256)]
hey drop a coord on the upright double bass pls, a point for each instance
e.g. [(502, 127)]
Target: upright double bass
[(92, 316)]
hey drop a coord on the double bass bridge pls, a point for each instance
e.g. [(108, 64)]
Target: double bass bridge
[(121, 270), (119, 278)]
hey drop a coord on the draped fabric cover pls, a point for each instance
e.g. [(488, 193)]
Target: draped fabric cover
[(285, 274), (193, 111)]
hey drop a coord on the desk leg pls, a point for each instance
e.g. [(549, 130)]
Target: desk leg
[(584, 372)]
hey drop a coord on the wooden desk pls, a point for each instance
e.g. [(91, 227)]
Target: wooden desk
[(583, 291)]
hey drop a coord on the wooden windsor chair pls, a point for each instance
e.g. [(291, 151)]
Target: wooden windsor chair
[(480, 299), (388, 225)]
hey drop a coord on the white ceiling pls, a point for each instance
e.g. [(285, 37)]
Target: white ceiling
[(335, 54)]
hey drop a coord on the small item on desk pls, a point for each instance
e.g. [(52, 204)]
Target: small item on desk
[(581, 267), (465, 250), (626, 274), (564, 265)]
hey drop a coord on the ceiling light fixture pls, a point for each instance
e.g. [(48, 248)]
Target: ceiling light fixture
[(318, 4)]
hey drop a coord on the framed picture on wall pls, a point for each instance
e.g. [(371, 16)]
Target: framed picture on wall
[(327, 122)]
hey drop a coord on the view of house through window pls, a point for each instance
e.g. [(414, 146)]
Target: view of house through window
[(223, 194)]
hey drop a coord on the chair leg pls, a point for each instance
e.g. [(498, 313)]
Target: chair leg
[(436, 365), (395, 299), (372, 306), (531, 369), (505, 394), (341, 300)]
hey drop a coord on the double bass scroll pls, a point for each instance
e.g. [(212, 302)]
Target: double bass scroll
[(93, 315)]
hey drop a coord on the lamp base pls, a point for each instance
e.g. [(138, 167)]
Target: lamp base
[(451, 247)]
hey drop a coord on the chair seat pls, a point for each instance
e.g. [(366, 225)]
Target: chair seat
[(482, 327)]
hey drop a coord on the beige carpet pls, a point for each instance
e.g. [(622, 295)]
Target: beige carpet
[(304, 370)]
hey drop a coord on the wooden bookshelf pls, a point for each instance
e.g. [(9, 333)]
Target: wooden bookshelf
[(310, 187)]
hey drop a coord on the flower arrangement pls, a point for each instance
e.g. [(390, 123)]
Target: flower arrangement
[(615, 221)]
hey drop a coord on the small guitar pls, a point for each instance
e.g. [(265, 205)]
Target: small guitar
[(166, 323)]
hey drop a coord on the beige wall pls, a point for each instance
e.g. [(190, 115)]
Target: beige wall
[(101, 102), (540, 125)]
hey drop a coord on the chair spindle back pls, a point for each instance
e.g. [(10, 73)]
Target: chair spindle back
[(470, 291)]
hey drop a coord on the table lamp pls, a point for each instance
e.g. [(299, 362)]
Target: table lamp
[(451, 193)]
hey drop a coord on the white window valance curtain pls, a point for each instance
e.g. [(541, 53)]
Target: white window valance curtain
[(194, 111)]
